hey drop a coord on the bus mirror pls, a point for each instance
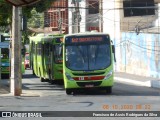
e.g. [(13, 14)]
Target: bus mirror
[(113, 51)]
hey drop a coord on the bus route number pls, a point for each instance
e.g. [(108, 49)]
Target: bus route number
[(81, 78)]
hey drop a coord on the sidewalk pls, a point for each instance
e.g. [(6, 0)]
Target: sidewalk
[(118, 77), (137, 80), (4, 86)]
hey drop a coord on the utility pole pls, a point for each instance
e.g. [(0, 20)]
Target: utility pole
[(59, 21), (16, 77), (77, 16), (101, 16), (0, 63)]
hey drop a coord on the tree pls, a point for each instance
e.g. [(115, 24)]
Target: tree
[(37, 19), (6, 16), (6, 10)]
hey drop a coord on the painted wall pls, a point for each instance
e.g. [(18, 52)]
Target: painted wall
[(140, 54)]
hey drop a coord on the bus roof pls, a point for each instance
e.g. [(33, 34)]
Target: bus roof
[(86, 34), (47, 38), (41, 38)]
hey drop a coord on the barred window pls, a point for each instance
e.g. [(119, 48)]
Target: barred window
[(138, 8), (93, 7)]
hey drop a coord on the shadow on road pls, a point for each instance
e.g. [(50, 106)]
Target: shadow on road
[(32, 83)]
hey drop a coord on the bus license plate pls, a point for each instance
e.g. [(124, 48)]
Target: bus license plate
[(89, 86)]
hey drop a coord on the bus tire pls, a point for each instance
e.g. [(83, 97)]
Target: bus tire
[(52, 82), (33, 73), (42, 79), (68, 91), (109, 90)]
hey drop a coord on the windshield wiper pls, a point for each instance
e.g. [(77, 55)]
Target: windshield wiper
[(82, 55), (96, 54)]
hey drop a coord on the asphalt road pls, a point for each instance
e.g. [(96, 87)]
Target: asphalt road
[(38, 96)]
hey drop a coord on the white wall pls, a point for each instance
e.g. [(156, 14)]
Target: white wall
[(70, 17), (111, 25), (157, 22)]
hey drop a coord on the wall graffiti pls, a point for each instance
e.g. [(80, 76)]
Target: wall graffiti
[(140, 54)]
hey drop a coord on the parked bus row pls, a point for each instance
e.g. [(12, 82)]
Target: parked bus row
[(81, 60), (46, 57)]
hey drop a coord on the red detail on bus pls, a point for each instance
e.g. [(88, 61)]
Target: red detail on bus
[(88, 78)]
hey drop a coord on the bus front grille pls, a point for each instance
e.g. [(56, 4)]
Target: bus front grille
[(84, 84)]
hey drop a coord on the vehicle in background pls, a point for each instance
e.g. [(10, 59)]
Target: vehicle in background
[(46, 57), (5, 55), (26, 61)]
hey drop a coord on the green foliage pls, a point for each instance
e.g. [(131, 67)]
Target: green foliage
[(37, 19), (32, 12), (40, 7), (6, 10), (5, 13)]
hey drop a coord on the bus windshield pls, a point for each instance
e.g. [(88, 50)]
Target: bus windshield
[(88, 57), (58, 54)]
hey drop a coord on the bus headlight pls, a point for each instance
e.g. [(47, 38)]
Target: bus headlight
[(109, 74), (68, 76)]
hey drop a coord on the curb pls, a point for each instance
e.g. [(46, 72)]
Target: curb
[(155, 83), (150, 83)]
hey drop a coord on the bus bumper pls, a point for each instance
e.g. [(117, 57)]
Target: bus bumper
[(89, 84)]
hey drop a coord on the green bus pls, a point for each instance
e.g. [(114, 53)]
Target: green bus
[(87, 61), (46, 57), (5, 55)]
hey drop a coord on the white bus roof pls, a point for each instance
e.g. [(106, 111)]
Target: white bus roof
[(86, 34)]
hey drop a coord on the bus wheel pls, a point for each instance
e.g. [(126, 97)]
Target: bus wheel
[(52, 81), (109, 90), (33, 73), (42, 79), (68, 91)]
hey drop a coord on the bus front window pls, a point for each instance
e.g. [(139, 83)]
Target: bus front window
[(88, 57)]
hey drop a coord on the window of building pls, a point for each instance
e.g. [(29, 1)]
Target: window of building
[(138, 8), (93, 7)]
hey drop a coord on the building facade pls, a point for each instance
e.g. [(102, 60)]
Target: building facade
[(56, 17), (133, 25)]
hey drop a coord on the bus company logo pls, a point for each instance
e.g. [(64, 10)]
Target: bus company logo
[(6, 114)]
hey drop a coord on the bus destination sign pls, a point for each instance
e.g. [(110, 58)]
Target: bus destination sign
[(87, 39)]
